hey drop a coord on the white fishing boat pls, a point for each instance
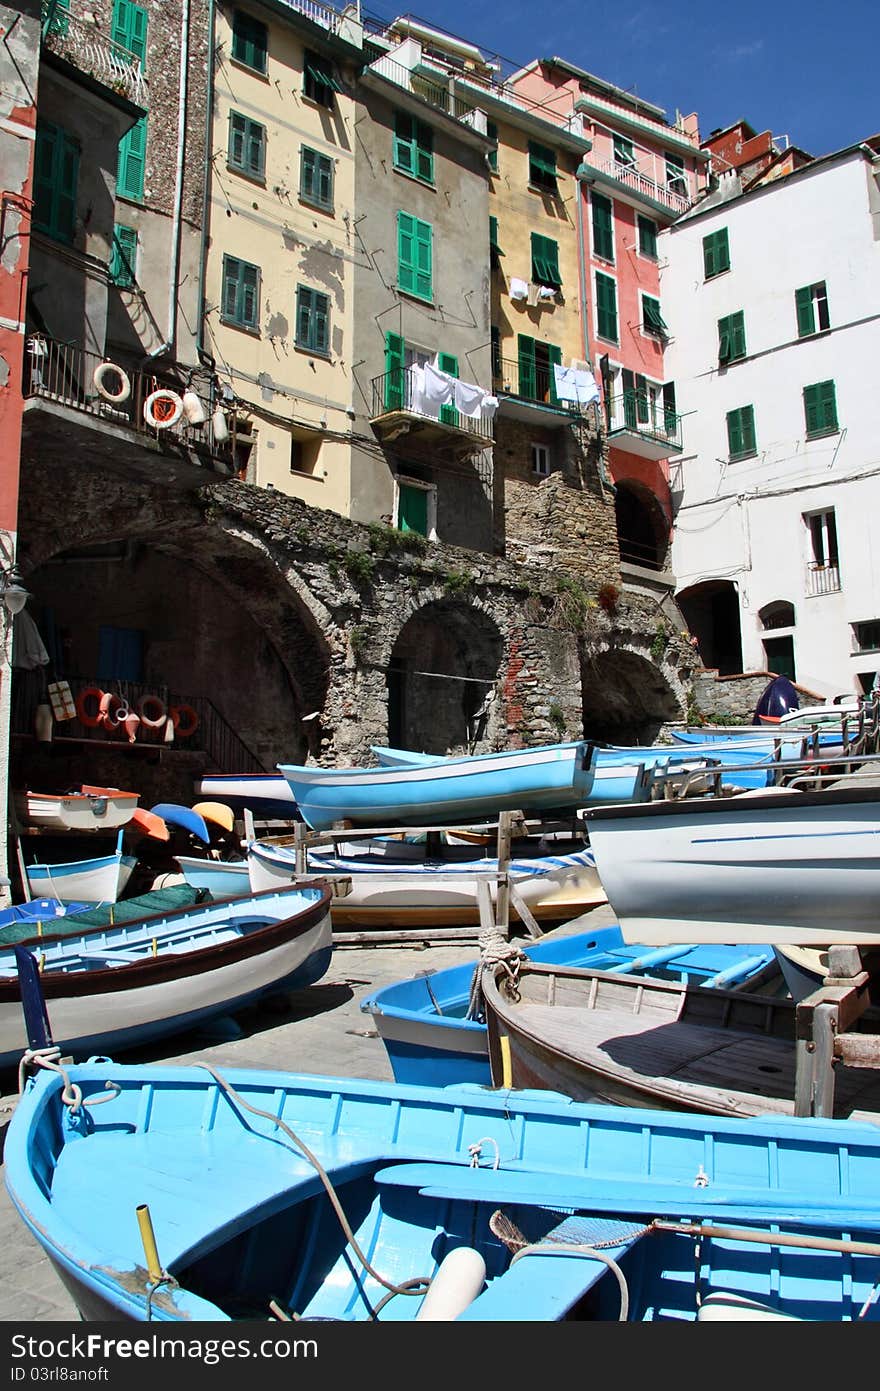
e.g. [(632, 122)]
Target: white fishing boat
[(89, 809), (99, 879), (783, 866)]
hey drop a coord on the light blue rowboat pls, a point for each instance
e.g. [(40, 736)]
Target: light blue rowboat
[(115, 986), (550, 778), (429, 1039), (222, 878), (183, 1193), (264, 794), (99, 879)]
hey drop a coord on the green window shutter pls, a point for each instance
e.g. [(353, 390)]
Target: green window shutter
[(627, 381), (132, 161), (603, 226), (652, 319), (545, 261), (414, 256), (403, 142), (316, 178), (447, 362), (123, 257), (527, 373), (606, 307), (670, 415), (641, 400), (412, 509), (741, 432), (623, 151), (542, 166), (492, 133), (495, 251), (820, 408), (675, 179), (647, 237), (716, 253), (240, 303), (495, 335), (734, 434), (395, 393), (555, 355), (128, 28), (806, 318), (747, 414), (68, 175), (56, 17), (319, 81), (250, 41), (247, 143), (739, 334), (56, 173), (424, 152), (731, 337), (312, 319)]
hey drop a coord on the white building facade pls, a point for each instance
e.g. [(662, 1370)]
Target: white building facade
[(775, 293)]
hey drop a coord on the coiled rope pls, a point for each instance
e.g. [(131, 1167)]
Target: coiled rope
[(495, 949), (71, 1094)]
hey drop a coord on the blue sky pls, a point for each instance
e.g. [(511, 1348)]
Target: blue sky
[(798, 69)]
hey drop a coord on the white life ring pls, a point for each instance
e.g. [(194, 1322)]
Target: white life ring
[(151, 709), (170, 409), (100, 373)]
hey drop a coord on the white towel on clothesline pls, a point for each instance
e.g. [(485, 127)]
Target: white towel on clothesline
[(572, 384), (519, 289)]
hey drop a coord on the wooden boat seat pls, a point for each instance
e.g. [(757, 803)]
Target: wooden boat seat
[(724, 1306), (202, 1193)]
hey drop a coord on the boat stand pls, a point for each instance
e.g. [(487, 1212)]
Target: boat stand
[(824, 1036)]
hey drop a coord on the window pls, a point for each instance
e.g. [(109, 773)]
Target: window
[(675, 179), (319, 84), (129, 28), (316, 179), (414, 256), (247, 146), (823, 561), (123, 257), (647, 237), (777, 614), (741, 432), (820, 409), (56, 171), (492, 133), (416, 508), (495, 335), (779, 656), (606, 307), (811, 305), (542, 167), (652, 319), (494, 249), (413, 147), (635, 399), (250, 41), (623, 151), (241, 293), (732, 337), (536, 360), (312, 320), (448, 363), (867, 635), (545, 261), (603, 226), (304, 452), (540, 459), (716, 253)]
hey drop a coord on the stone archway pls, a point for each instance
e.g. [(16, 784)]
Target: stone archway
[(626, 698), (642, 528), (441, 676)]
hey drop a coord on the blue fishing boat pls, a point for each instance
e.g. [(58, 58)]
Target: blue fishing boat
[(430, 1039), (118, 984), (187, 1193), (174, 814), (551, 778)]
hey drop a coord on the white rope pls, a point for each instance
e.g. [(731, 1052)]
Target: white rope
[(474, 1151), (71, 1094), (495, 950), (557, 1249)]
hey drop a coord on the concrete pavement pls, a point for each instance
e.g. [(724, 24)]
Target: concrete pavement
[(323, 1031)]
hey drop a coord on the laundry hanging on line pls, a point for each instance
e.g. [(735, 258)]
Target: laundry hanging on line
[(575, 384)]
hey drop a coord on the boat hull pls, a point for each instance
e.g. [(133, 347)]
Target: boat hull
[(264, 794), (95, 809), (783, 867), (208, 960), (100, 880)]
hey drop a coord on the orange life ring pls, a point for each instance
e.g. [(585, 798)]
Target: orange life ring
[(151, 709), (83, 714), (184, 719)]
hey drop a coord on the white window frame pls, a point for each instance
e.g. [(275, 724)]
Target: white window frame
[(540, 452), (430, 489)]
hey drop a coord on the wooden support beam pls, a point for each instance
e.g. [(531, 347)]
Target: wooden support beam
[(523, 911)]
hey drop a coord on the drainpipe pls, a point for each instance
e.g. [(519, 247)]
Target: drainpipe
[(582, 175), (206, 187), (183, 83)]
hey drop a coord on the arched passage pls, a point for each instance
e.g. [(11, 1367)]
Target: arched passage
[(642, 529), (711, 610), (626, 699), (441, 677)]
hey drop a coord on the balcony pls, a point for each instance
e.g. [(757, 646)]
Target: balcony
[(642, 425), (82, 44), (64, 410), (436, 93), (664, 195), (526, 391), (398, 409), (822, 578)]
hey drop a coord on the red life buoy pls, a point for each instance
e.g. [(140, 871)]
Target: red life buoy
[(152, 711), (184, 719), (88, 696)]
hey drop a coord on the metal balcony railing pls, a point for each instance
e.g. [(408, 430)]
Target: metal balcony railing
[(64, 374), (638, 413), (80, 41), (319, 14), (529, 381), (397, 390), (676, 200), (822, 578), (435, 93)]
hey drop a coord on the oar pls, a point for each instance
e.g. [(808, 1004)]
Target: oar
[(36, 1018)]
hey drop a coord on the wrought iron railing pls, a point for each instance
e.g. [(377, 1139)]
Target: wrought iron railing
[(636, 412), (65, 374), (82, 44), (822, 578), (398, 390), (529, 381), (636, 182), (212, 735)]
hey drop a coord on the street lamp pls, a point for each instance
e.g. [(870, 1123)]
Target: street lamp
[(13, 594)]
